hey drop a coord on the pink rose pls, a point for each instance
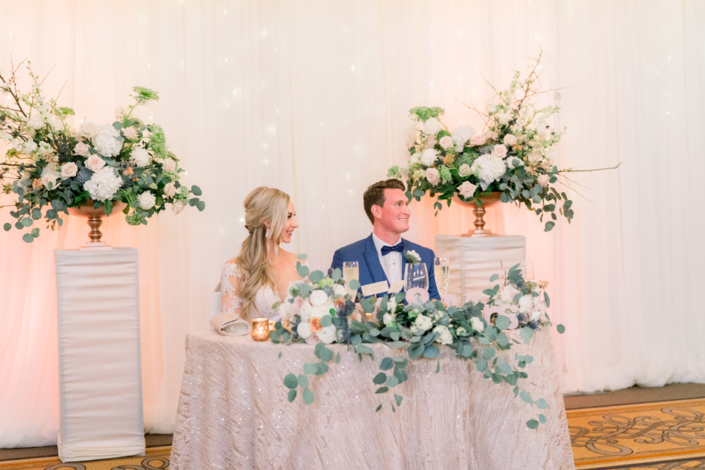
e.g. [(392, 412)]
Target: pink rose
[(81, 149), (492, 135), (467, 189), (94, 163), (433, 176), (510, 140), (169, 164), (499, 150), (543, 180), (68, 170), (130, 133), (477, 140), (178, 206), (298, 302), (170, 189), (446, 142)]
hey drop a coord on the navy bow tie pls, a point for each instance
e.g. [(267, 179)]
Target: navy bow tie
[(399, 247)]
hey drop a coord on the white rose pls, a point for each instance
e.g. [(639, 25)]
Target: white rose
[(305, 311), (304, 330), (491, 108), (499, 150), (467, 189), (477, 324), (140, 157), (535, 158), (445, 336), (130, 133), (510, 140), (446, 142), (49, 179), (433, 176), (464, 170), (68, 170), (82, 150), (429, 157), (318, 297), (29, 147), (89, 129), (423, 323), (94, 163), (178, 206), (543, 180), (55, 123), (503, 118), (146, 200), (36, 121), (388, 318), (526, 302), (108, 142), (535, 315), (542, 132), (461, 331), (326, 334), (169, 164), (170, 189), (432, 126), (339, 290)]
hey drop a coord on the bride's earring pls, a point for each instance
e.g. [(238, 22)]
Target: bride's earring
[(266, 235)]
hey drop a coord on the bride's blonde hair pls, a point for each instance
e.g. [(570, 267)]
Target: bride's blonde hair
[(262, 205)]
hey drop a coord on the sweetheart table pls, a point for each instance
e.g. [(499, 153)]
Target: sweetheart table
[(233, 412)]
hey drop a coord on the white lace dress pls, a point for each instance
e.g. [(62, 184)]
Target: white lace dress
[(230, 302)]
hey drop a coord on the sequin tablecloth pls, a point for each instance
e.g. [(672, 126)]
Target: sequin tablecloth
[(233, 412)]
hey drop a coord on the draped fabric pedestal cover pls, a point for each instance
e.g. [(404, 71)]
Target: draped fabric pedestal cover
[(99, 354), (233, 412), (473, 260)]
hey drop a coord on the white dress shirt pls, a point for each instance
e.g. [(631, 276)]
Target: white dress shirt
[(391, 263)]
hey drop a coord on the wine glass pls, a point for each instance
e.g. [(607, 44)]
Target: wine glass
[(416, 276), (441, 271)]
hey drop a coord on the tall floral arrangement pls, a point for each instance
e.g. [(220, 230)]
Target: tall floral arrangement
[(51, 166), (510, 156)]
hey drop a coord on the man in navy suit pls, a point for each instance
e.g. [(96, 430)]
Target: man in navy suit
[(381, 255)]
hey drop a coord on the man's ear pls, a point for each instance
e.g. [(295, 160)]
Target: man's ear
[(376, 211)]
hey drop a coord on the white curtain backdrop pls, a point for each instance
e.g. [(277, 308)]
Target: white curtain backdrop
[(312, 97)]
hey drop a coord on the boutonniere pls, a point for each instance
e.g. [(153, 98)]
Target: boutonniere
[(412, 257)]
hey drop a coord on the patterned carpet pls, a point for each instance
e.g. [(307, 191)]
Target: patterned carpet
[(666, 435), (156, 458)]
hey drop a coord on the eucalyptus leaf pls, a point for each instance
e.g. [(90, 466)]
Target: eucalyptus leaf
[(398, 399), (392, 381), (326, 320), (541, 404), (382, 390), (542, 418), (524, 395), (27, 237), (560, 329), (526, 334), (502, 322), (291, 381), (532, 424), (308, 396), (387, 363), (310, 368), (431, 351), (380, 378), (292, 395)]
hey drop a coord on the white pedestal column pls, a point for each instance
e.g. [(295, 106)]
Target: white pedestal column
[(99, 354), (474, 260)]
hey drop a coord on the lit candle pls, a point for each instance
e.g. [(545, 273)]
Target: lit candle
[(260, 329)]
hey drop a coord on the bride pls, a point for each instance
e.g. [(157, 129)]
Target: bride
[(260, 276)]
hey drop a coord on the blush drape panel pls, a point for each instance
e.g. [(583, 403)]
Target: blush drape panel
[(312, 97)]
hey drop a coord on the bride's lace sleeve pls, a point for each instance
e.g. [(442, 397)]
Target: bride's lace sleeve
[(229, 285)]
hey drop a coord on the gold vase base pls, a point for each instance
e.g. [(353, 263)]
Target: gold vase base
[(479, 233)]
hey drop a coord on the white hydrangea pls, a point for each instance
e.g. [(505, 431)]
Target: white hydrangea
[(444, 335), (388, 319), (28, 147), (526, 303), (146, 200), (140, 157), (477, 324), (108, 141), (36, 121), (429, 157), (432, 126), (489, 169), (103, 184), (461, 135)]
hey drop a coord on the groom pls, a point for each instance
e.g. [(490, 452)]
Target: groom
[(381, 255)]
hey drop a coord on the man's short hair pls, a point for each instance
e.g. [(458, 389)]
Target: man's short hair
[(374, 196)]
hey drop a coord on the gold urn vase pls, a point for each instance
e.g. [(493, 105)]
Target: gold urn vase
[(95, 219), (488, 200)]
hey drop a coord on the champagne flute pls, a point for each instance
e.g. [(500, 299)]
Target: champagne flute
[(416, 276), (351, 270), (441, 271)]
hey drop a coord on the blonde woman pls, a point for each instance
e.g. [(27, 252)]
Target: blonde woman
[(260, 276)]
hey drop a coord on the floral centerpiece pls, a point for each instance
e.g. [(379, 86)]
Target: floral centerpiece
[(511, 156), (319, 310), (52, 167)]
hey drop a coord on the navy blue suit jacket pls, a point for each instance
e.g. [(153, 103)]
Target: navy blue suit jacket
[(371, 271)]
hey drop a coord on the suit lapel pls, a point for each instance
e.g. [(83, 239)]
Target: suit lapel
[(372, 260), (403, 262)]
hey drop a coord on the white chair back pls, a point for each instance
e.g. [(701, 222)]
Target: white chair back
[(215, 302)]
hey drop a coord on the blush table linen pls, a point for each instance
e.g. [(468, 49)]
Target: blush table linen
[(233, 412)]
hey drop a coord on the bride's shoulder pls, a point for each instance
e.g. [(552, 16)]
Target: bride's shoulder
[(231, 268)]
